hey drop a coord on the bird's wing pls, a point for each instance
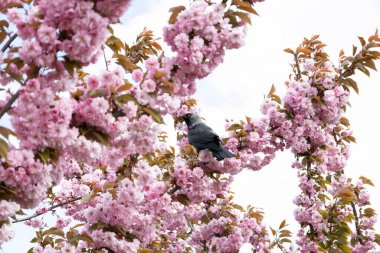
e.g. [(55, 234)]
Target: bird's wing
[(202, 136)]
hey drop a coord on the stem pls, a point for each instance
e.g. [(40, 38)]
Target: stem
[(105, 58), (308, 169), (189, 224), (8, 105), (9, 42), (50, 209), (349, 69), (312, 230), (10, 102), (280, 246), (358, 232), (298, 69), (159, 59), (172, 191)]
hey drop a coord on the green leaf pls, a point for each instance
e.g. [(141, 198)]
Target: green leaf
[(126, 63), (361, 67), (175, 12), (20, 212), (144, 251), (167, 89), (234, 127), (332, 250), (238, 207), (273, 231), (317, 159), (288, 50), (244, 6), (123, 99), (97, 93), (3, 35), (3, 23), (6, 132), (93, 134), (377, 239), (4, 148), (101, 138), (44, 156), (285, 233), (369, 212), (344, 121), (47, 155), (285, 240), (54, 231), (362, 41), (155, 114), (85, 238), (366, 180), (87, 197), (244, 16), (346, 195), (283, 224), (115, 44), (350, 82), (344, 248), (71, 66), (8, 191), (370, 64), (183, 199), (166, 176), (350, 139)]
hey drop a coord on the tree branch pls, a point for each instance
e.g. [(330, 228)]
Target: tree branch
[(50, 209), (105, 58), (172, 191), (189, 224), (8, 105), (298, 69), (9, 42), (358, 232)]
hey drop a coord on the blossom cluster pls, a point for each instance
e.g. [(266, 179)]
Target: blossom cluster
[(254, 142), (200, 37), (312, 110), (29, 176), (101, 134), (53, 34), (75, 29), (5, 4), (40, 119), (140, 206)]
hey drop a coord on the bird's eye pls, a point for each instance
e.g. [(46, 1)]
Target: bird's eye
[(188, 115)]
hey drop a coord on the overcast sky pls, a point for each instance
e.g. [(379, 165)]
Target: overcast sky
[(236, 89)]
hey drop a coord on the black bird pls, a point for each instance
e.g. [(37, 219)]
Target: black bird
[(202, 137)]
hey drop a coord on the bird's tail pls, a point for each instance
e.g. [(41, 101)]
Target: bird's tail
[(222, 153)]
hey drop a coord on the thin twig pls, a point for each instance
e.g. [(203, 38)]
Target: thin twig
[(10, 102), (172, 191), (105, 58), (9, 42), (349, 69), (358, 232), (298, 69), (189, 224), (159, 59), (8, 105), (50, 209), (312, 230)]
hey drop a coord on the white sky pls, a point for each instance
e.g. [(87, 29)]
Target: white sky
[(236, 89)]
